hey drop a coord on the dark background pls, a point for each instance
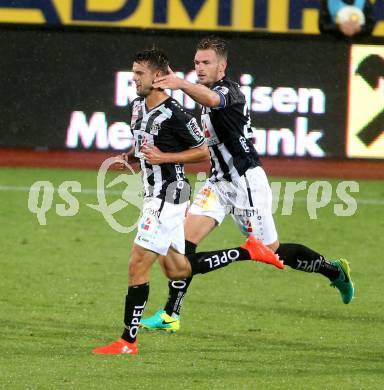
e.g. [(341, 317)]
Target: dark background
[(48, 74)]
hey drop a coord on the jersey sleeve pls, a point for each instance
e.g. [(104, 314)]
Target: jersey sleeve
[(188, 131), (227, 93)]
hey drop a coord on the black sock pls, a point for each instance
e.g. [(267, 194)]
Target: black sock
[(203, 262), (190, 247), (134, 306), (176, 292), (178, 288), (305, 259)]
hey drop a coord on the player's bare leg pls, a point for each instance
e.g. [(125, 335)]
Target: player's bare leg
[(139, 265), (202, 262), (197, 227)]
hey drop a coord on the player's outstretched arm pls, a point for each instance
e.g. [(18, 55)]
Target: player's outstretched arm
[(155, 156), (199, 93)]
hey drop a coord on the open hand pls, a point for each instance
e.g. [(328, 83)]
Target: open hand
[(170, 81)]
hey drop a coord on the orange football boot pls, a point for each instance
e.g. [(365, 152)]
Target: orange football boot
[(259, 252), (119, 347)]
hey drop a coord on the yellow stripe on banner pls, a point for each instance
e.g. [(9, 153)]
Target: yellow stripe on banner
[(310, 21), (8, 15), (242, 15), (141, 17), (237, 20), (379, 29), (106, 6), (278, 15), (205, 19), (64, 9)]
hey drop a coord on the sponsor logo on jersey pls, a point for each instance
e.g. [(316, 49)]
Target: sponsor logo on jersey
[(205, 199), (209, 131), (241, 212), (195, 130), (146, 225), (155, 213), (243, 143)]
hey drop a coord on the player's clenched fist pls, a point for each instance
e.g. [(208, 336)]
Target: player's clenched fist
[(153, 155)]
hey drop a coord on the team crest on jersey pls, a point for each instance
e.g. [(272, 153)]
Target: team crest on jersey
[(223, 90), (155, 128), (195, 130)]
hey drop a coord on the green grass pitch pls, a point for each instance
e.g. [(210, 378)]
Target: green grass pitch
[(248, 326)]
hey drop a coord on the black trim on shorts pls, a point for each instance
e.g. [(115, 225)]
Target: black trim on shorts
[(161, 206), (248, 190)]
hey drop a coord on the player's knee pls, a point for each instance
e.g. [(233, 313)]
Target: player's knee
[(133, 267), (135, 262), (138, 271), (174, 274)]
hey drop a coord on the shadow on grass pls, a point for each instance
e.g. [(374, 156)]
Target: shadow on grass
[(297, 312)]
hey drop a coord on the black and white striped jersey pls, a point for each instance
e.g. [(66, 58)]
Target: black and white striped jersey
[(169, 127), (225, 128)]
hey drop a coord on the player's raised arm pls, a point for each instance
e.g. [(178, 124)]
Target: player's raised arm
[(200, 93)]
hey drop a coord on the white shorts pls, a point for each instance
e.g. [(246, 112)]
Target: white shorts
[(161, 226), (248, 201)]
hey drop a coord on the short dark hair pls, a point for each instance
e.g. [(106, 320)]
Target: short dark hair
[(156, 58), (218, 45)]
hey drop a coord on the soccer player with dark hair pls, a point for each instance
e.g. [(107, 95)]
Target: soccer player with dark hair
[(159, 123), (238, 184)]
